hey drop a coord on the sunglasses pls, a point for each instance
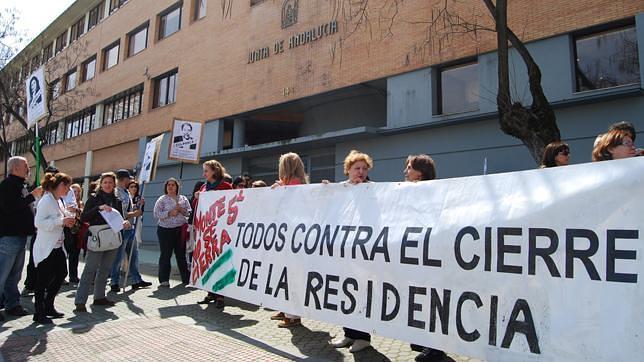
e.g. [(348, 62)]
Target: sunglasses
[(564, 152)]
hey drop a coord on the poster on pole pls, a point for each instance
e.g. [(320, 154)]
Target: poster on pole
[(36, 90), (538, 265), (185, 143), (150, 159)]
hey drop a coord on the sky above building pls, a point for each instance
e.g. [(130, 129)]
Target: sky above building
[(33, 17)]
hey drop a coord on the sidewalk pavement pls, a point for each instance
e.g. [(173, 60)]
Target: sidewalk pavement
[(167, 325)]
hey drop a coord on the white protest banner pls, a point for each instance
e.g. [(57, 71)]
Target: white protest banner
[(539, 265), (150, 159), (36, 90), (185, 143)]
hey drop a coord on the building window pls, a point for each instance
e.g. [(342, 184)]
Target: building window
[(123, 106), (115, 4), (89, 68), (111, 56), (80, 123), (458, 89), (55, 89), (165, 89), (61, 42), (200, 9), (35, 63), (607, 59), (47, 52), (77, 30), (95, 15), (24, 70), (170, 21), (70, 80), (138, 40), (51, 134), (21, 146)]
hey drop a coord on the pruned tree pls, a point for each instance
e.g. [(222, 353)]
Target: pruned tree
[(15, 68), (534, 124)]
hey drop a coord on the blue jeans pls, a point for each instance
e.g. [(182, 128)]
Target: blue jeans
[(12, 260), (130, 244)]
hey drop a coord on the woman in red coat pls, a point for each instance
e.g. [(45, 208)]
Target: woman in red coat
[(213, 172)]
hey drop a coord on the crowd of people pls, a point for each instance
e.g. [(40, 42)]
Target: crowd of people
[(62, 226)]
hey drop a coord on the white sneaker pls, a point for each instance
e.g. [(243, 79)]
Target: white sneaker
[(342, 342), (165, 284), (359, 345)]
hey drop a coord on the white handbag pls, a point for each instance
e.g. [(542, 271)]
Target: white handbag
[(103, 238)]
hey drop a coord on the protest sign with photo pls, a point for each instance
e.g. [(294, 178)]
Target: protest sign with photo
[(150, 159), (36, 90), (185, 143)]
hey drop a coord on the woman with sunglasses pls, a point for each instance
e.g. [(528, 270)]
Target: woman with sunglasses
[(555, 154)]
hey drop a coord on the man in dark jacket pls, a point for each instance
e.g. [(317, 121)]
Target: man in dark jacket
[(17, 224)]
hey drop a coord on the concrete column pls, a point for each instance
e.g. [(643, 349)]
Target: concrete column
[(89, 157), (239, 133)]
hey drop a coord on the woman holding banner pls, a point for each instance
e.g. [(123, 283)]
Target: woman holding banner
[(214, 173), (614, 145), (555, 154), (291, 172), (356, 167), (422, 168), (172, 210), (98, 263)]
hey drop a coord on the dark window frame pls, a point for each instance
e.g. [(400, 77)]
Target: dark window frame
[(161, 23), (84, 68), (48, 52), (67, 75), (132, 34), (166, 92), (105, 51), (75, 124), (125, 103), (77, 30), (35, 62), (63, 38), (593, 31), (116, 4), (95, 15), (196, 14), (438, 108)]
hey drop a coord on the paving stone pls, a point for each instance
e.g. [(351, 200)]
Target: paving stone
[(166, 324)]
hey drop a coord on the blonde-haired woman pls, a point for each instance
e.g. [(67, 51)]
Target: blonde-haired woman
[(291, 172), (98, 263), (356, 168)]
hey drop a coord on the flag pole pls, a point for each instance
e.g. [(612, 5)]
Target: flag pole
[(37, 156), (138, 221)]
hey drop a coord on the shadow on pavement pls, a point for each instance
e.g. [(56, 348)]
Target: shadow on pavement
[(170, 293), (83, 322), (27, 342), (219, 320), (125, 297), (314, 343)]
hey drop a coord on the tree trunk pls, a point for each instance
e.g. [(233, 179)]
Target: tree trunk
[(536, 126)]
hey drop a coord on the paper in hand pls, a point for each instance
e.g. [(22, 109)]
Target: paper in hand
[(114, 219)]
